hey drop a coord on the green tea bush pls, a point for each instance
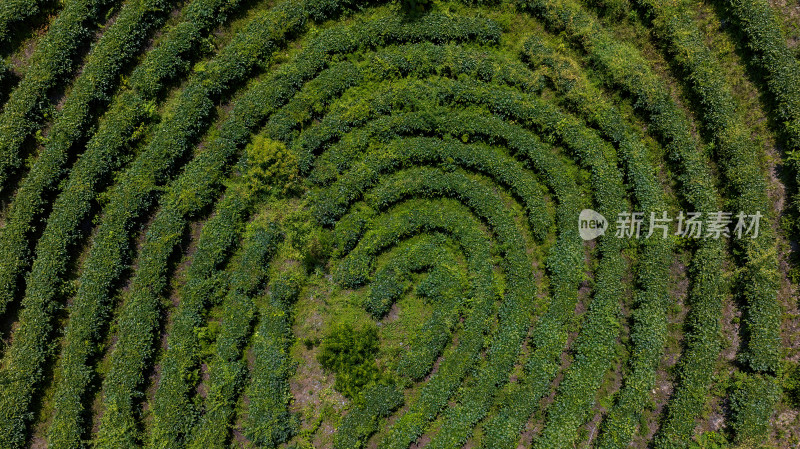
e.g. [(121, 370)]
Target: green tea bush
[(196, 197), (375, 402)]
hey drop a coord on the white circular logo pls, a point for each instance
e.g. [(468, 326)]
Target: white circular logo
[(591, 224)]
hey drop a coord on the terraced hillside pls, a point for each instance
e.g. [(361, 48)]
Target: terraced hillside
[(349, 223)]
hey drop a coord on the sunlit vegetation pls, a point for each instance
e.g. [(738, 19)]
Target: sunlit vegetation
[(354, 223)]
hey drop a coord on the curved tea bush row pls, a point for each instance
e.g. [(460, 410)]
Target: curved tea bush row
[(420, 216), (572, 138), (141, 315), (74, 204), (746, 182), (394, 63), (752, 403), (104, 154), (759, 284), (500, 100), (96, 81), (770, 54), (405, 61), (578, 142), (471, 121), (195, 189), (648, 331), (269, 421), (181, 362), (594, 347), (594, 351), (578, 94), (545, 117), (549, 336), (191, 192), (417, 216), (480, 125), (127, 201), (227, 369), (15, 11), (173, 54), (172, 409), (372, 404), (62, 244), (444, 286), (331, 203), (702, 349), (389, 63), (130, 197), (392, 279), (474, 122), (626, 68), (217, 153), (355, 267), (50, 63), (204, 280), (447, 289), (441, 385), (439, 147), (515, 312)]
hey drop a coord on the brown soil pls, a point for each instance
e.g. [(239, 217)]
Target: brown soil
[(679, 288), (421, 442)]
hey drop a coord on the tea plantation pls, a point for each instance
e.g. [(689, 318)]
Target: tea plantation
[(363, 224)]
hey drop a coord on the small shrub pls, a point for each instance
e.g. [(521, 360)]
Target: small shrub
[(350, 353), (271, 167), (792, 386)]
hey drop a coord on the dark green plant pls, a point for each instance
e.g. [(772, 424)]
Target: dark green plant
[(791, 386), (270, 167), (710, 440), (416, 6), (350, 353), (751, 404)]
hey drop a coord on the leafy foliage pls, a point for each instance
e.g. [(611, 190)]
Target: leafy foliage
[(270, 166), (791, 385), (178, 204), (350, 354), (375, 402)]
